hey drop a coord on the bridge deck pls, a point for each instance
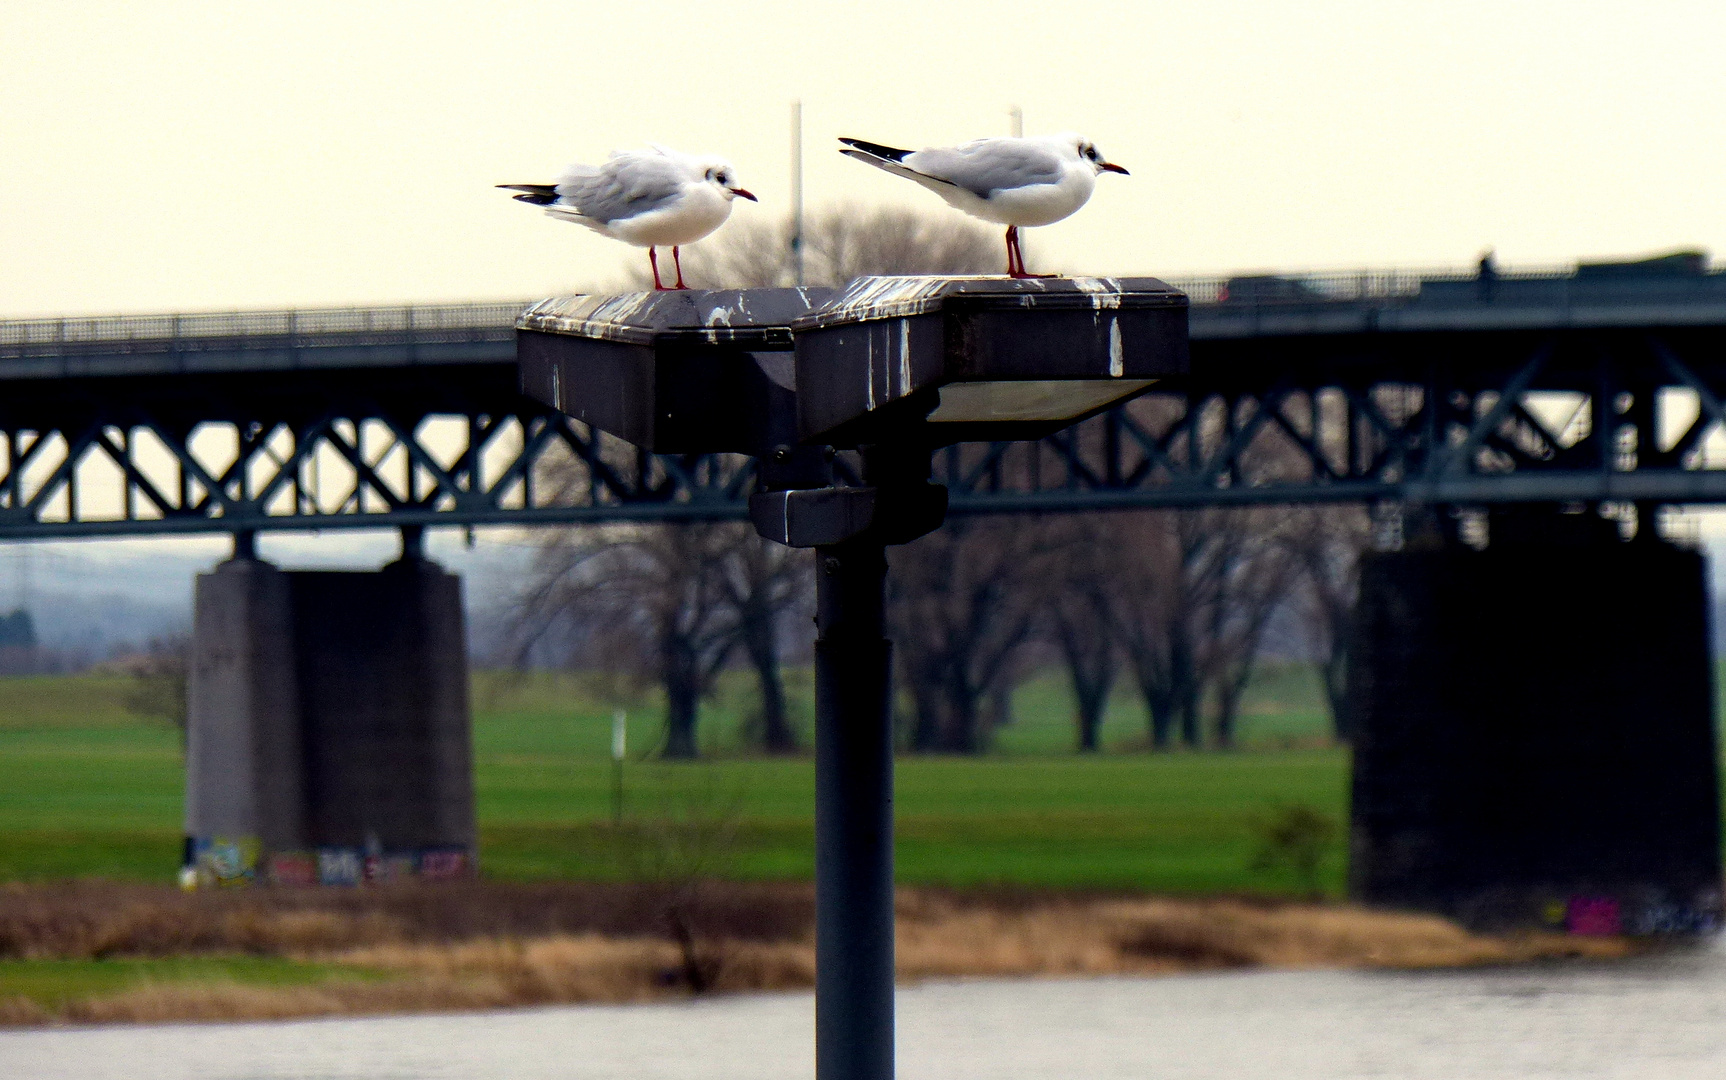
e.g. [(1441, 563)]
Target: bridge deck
[(1588, 385)]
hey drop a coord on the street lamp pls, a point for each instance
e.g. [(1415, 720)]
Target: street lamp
[(893, 367)]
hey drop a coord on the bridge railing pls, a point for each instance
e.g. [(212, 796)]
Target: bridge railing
[(1343, 286), (30, 335), (1267, 286), (38, 336)]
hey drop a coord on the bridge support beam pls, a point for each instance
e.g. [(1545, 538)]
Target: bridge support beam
[(329, 727), (1535, 733)]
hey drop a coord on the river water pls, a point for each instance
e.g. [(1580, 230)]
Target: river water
[(1662, 1018)]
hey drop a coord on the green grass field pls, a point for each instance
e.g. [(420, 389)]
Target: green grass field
[(88, 790)]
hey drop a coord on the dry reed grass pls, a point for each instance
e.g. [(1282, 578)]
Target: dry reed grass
[(95, 919), (483, 946)]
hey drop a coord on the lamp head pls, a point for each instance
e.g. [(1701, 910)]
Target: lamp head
[(942, 360)]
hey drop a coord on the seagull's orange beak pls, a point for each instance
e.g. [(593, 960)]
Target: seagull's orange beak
[(1109, 166), (742, 194)]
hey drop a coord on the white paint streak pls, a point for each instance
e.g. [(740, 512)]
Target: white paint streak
[(1105, 293), (603, 317), (904, 357), (886, 297), (1117, 362), (869, 370)]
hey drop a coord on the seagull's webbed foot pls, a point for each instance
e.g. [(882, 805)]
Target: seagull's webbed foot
[(653, 261), (677, 260)]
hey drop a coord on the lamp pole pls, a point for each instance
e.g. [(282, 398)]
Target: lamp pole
[(853, 814)]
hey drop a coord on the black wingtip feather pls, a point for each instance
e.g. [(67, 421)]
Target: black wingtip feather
[(537, 194), (891, 153)]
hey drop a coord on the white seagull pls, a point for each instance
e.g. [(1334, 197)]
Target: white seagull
[(1016, 182), (649, 198)]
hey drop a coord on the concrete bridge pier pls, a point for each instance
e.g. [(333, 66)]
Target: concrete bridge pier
[(1536, 738), (329, 731)]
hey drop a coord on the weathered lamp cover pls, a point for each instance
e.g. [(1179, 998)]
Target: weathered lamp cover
[(696, 371), (940, 360)]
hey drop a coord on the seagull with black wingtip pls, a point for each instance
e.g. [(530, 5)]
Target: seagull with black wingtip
[(651, 198), (1016, 182)]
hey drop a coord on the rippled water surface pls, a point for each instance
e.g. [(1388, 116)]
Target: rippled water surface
[(1662, 1017)]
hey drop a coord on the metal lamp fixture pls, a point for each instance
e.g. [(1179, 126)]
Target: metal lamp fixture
[(944, 360), (674, 372)]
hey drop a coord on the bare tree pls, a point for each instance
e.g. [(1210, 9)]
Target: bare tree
[(1195, 592), (1249, 571), (961, 602), (1077, 593), (655, 594), (1153, 609), (849, 242), (1328, 543), (762, 582), (839, 244)]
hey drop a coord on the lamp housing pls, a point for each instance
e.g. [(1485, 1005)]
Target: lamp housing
[(941, 360), (688, 371)]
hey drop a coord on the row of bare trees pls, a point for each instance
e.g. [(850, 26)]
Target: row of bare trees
[(1177, 602)]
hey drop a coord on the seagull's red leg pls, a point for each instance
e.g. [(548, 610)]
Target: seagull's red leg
[(678, 260), (1016, 257), (653, 261)]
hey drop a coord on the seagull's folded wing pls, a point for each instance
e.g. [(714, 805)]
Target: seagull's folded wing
[(989, 165), (626, 186)]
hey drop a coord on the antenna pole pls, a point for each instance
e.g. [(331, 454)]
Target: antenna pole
[(797, 190)]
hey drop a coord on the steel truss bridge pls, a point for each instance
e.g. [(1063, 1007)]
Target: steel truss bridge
[(1592, 385)]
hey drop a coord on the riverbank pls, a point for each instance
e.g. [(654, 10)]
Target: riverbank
[(98, 952)]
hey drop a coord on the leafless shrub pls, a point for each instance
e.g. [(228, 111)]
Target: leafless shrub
[(684, 844), (158, 687)]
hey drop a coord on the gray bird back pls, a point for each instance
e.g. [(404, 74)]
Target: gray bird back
[(624, 187), (989, 165)]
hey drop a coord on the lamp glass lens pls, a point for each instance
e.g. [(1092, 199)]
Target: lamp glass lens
[(1045, 399)]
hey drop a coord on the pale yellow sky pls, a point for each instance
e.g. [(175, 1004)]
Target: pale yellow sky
[(197, 156)]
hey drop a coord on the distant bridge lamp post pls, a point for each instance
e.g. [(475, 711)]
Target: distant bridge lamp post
[(893, 368)]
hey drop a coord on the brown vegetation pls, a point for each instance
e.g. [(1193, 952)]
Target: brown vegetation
[(484, 945)]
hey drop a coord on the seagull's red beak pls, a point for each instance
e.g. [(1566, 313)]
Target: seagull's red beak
[(1109, 166), (742, 194)]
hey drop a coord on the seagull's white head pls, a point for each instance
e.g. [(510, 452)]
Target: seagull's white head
[(721, 174), (1090, 155)]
